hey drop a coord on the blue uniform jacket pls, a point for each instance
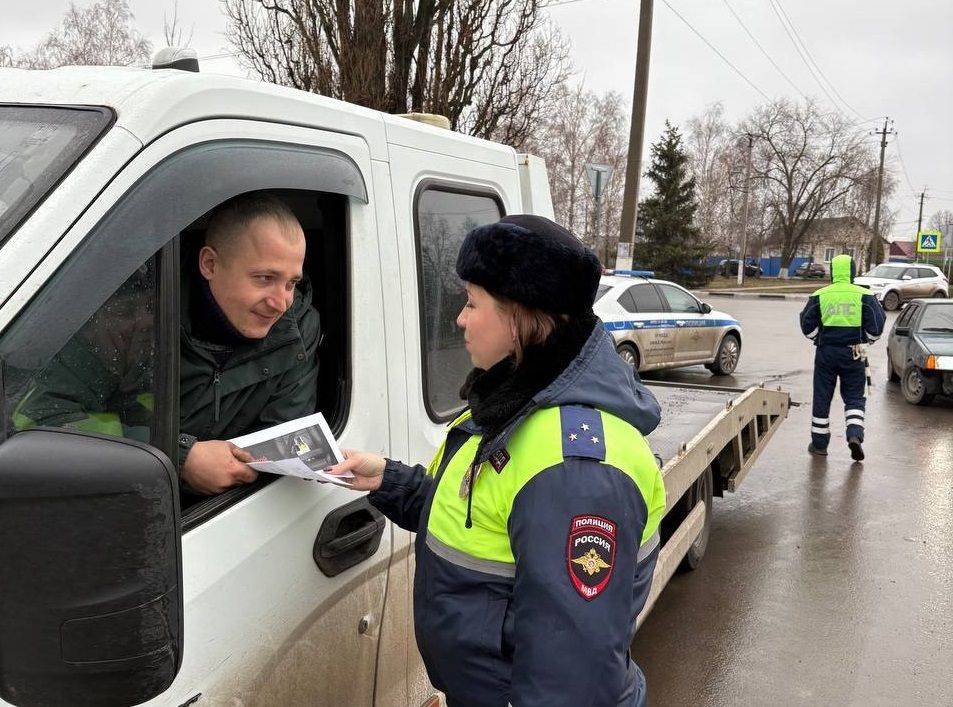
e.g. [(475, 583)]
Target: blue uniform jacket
[(530, 639)]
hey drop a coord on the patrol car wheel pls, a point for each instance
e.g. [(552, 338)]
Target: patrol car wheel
[(629, 354), (726, 360), (891, 301), (700, 491), (917, 390), (939, 294)]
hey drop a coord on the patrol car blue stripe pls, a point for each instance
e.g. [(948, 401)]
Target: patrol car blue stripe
[(630, 324)]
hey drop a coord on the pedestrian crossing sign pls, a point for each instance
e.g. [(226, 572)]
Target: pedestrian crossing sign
[(928, 242)]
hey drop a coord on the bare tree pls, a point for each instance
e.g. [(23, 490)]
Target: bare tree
[(713, 162), (489, 66), (942, 218), (173, 32), (809, 162), (101, 34), (584, 128)]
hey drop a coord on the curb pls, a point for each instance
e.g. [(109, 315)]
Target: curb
[(755, 295)]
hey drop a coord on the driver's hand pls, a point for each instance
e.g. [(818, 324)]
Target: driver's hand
[(215, 466)]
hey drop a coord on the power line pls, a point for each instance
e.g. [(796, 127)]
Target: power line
[(800, 53), (814, 62), (763, 50), (715, 49), (903, 165)]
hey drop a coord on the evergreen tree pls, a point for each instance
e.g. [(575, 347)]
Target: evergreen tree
[(671, 245)]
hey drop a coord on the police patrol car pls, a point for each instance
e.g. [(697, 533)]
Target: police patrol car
[(657, 324)]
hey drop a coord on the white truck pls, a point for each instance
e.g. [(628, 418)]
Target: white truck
[(281, 592)]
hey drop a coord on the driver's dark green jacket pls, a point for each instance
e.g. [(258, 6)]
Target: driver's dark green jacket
[(103, 379)]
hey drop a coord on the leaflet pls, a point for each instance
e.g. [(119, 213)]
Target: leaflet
[(302, 448)]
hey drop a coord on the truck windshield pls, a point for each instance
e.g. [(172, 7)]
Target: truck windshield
[(38, 145)]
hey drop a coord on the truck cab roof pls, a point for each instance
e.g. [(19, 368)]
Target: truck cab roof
[(149, 103)]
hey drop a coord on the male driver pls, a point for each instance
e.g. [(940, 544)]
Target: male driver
[(249, 338), (841, 319)]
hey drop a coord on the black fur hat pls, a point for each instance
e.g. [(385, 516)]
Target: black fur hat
[(533, 261)]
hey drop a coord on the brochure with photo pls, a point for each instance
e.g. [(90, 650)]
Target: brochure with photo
[(302, 448)]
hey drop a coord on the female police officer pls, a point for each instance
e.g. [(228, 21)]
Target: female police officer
[(537, 521)]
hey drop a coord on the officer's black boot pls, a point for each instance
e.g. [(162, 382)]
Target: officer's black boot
[(856, 450), (816, 451)]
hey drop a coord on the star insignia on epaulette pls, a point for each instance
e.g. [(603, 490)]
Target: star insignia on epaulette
[(595, 440), (573, 436), (585, 427)]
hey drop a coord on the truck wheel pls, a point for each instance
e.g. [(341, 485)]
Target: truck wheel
[(629, 354), (916, 388), (891, 301), (726, 360), (701, 490), (891, 374)]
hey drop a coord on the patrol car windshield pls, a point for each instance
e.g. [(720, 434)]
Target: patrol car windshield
[(38, 145), (886, 271)]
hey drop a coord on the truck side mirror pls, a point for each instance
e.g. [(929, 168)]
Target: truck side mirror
[(90, 551)]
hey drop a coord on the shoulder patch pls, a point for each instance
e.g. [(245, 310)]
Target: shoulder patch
[(582, 433), (590, 554)]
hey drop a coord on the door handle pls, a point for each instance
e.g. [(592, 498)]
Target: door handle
[(349, 535), (350, 541)]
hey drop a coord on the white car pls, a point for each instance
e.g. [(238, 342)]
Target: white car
[(658, 324), (896, 283)]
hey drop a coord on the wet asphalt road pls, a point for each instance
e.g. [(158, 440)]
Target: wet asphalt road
[(825, 582)]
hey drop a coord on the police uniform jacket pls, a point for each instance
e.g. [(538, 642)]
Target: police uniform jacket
[(535, 603), (842, 314)]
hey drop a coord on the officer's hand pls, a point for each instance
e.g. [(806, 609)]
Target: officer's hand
[(367, 467), (215, 466)]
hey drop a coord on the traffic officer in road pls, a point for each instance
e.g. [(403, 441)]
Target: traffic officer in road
[(841, 319), (537, 521)]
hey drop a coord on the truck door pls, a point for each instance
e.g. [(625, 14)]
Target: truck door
[(283, 579)]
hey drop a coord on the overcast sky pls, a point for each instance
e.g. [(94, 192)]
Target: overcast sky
[(883, 58)]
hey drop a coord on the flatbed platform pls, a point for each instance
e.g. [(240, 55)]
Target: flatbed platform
[(703, 426)]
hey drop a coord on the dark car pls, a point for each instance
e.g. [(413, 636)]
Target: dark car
[(811, 270), (920, 350), (728, 268)]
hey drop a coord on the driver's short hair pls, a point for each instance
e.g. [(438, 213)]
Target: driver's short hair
[(230, 220)]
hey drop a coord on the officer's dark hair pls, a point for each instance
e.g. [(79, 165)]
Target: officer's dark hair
[(230, 219)]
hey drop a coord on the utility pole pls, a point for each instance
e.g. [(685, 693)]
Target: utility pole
[(744, 213), (920, 221), (877, 243), (920, 217), (633, 166)]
